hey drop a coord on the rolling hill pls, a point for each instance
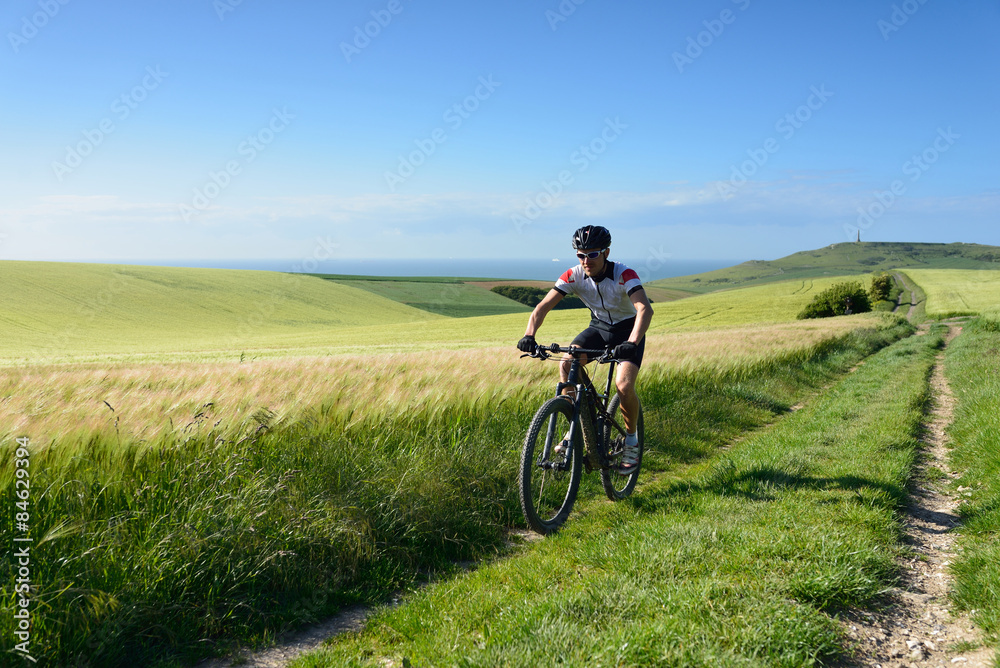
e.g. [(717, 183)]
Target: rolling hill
[(840, 260), (55, 308)]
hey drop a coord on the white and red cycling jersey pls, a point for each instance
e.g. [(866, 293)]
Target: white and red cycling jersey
[(607, 297)]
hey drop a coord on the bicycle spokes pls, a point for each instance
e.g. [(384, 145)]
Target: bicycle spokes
[(549, 474)]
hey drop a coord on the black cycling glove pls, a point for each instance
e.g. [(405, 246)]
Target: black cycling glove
[(625, 351), (527, 344)]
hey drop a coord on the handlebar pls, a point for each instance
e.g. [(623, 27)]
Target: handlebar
[(599, 355)]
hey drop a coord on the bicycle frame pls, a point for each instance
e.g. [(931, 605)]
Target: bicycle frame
[(580, 381), (552, 464)]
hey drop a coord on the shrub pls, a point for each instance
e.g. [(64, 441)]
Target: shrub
[(833, 301), (881, 288), (531, 296)]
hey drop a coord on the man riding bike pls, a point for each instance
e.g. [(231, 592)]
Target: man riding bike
[(619, 317)]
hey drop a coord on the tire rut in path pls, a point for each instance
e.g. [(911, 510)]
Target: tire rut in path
[(290, 647), (912, 305), (917, 627)]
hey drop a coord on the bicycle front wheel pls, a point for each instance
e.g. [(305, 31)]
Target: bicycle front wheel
[(550, 475), (619, 485)]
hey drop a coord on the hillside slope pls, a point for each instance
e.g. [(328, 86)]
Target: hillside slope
[(56, 308), (840, 260)]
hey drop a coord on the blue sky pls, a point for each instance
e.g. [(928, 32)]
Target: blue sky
[(733, 129)]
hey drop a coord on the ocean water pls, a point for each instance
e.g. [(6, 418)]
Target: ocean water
[(547, 270)]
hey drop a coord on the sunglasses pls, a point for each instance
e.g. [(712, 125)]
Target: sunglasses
[(592, 254)]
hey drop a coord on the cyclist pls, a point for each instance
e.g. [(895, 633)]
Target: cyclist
[(619, 317)]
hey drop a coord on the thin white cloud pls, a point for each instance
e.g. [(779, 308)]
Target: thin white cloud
[(104, 226)]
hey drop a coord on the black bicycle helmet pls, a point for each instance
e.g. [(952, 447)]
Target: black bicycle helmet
[(591, 236)]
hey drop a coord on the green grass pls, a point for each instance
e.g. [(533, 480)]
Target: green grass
[(62, 312), (775, 302), (55, 309), (954, 292), (172, 550), (738, 559), (455, 300), (972, 369), (839, 260), (917, 296)]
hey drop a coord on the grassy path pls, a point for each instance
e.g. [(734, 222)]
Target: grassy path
[(739, 559), (904, 296), (971, 366), (912, 297), (918, 626)]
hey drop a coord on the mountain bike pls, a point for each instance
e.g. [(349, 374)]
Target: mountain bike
[(570, 432)]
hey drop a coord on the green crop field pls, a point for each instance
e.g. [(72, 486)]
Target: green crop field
[(60, 312), (958, 292), (774, 302), (445, 298), (54, 309)]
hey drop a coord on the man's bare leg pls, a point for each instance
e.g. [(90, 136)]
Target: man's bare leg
[(625, 382)]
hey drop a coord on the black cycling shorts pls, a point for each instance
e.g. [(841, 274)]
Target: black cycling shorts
[(601, 335)]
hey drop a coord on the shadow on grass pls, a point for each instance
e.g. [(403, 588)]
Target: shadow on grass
[(763, 484)]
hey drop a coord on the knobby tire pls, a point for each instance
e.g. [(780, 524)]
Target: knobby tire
[(547, 494), (617, 485)]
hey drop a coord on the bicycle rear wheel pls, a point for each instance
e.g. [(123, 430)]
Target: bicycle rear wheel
[(549, 480), (619, 485)]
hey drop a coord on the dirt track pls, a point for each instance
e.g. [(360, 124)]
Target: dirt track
[(917, 627), (913, 297)]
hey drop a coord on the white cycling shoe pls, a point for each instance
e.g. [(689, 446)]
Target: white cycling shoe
[(630, 457)]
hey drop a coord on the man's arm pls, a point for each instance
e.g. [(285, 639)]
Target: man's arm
[(643, 315), (542, 310)]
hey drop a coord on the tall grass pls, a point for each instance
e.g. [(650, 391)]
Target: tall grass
[(956, 292), (176, 548), (972, 366), (741, 559), (132, 401)]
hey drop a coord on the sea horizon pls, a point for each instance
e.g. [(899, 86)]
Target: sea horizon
[(649, 269)]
